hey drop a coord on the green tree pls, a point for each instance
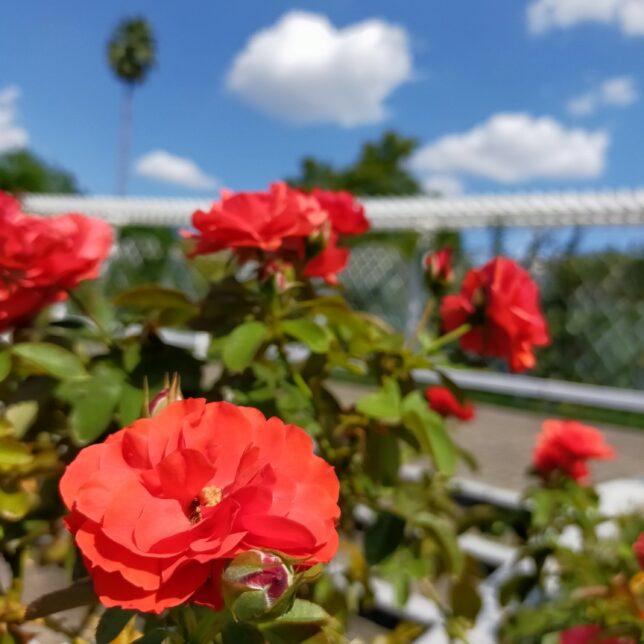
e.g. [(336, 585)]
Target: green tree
[(23, 171), (131, 54), (379, 170)]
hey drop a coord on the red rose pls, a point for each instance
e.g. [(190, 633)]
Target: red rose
[(638, 549), (260, 220), (328, 262), (590, 634), (346, 214), (161, 506), (565, 445), (438, 267), (501, 302), (43, 257), (445, 403)]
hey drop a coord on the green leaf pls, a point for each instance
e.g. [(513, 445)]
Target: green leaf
[(383, 537), (21, 415), (445, 537), (93, 403), (5, 364), (383, 404), (171, 305), (130, 405), (14, 505), (382, 459), (303, 612), (311, 334), (112, 622), (242, 344), (155, 636), (465, 598), (79, 593), (430, 432), (12, 453), (50, 358), (235, 633)]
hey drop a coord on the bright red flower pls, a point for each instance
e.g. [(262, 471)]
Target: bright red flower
[(328, 262), (501, 302), (638, 549), (445, 403), (346, 214), (565, 446), (161, 506), (590, 634), (43, 257), (259, 220), (438, 266)]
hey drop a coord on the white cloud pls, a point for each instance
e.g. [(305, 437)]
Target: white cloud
[(628, 15), (170, 168), (304, 70), (620, 91), (511, 148), (12, 136), (444, 184)]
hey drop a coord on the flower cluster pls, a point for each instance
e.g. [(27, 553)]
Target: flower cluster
[(42, 258), (163, 505), (500, 302), (565, 446), (283, 224)]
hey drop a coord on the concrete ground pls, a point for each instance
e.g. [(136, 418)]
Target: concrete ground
[(502, 441)]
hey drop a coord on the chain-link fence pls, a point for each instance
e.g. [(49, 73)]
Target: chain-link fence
[(592, 284)]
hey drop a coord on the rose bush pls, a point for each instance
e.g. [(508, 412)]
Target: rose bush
[(193, 518)]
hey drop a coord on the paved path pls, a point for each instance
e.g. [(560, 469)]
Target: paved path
[(502, 441)]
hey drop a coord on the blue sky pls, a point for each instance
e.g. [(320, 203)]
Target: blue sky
[(504, 95)]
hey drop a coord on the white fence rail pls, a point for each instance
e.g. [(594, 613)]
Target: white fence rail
[(615, 208)]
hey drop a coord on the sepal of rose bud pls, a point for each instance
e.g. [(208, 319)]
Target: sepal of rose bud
[(170, 392), (254, 582), (278, 275)]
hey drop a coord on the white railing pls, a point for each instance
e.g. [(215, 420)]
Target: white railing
[(616, 208)]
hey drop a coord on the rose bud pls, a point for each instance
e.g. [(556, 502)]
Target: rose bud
[(438, 268), (253, 583), (170, 392)]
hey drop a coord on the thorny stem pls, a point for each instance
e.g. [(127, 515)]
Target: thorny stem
[(457, 333)]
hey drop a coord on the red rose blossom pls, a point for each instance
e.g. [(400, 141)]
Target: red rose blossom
[(438, 267), (43, 257), (330, 261), (590, 634), (565, 446), (260, 220), (346, 214), (161, 506), (501, 302), (638, 549), (445, 403)]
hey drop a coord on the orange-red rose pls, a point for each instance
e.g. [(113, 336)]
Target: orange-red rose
[(501, 303), (346, 214), (565, 447), (445, 403), (590, 634), (261, 220), (43, 257), (161, 506)]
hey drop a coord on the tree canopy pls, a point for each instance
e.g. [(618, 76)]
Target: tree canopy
[(379, 170), (23, 171)]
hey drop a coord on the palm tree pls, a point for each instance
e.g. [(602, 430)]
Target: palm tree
[(131, 53)]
